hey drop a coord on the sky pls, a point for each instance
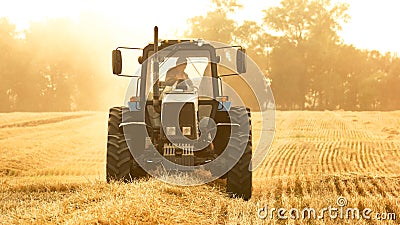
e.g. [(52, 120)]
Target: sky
[(372, 24)]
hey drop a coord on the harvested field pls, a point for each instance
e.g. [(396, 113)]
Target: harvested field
[(52, 170)]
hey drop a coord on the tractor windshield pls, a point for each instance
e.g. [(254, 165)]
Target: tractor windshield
[(192, 65)]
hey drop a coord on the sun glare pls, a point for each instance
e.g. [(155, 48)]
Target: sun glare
[(373, 25)]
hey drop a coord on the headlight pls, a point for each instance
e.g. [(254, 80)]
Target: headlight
[(171, 131), (186, 130)]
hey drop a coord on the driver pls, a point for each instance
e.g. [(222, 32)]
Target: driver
[(177, 73)]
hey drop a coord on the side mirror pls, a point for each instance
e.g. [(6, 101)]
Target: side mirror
[(116, 62), (241, 60), (140, 59)]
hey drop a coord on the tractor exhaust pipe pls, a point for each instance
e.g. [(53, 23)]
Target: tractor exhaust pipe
[(156, 89)]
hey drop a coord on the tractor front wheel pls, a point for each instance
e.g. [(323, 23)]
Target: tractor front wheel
[(239, 178), (120, 163)]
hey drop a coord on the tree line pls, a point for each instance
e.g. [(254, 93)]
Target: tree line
[(55, 65), (298, 47), (63, 65)]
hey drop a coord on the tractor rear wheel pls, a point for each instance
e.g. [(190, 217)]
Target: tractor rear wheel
[(120, 163)]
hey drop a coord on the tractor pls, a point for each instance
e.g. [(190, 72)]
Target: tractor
[(184, 124)]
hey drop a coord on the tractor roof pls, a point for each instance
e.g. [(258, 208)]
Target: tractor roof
[(186, 44), (166, 43), (172, 42)]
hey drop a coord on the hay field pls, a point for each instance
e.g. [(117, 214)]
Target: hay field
[(52, 171)]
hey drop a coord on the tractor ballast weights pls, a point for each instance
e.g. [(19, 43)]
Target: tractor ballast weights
[(182, 154), (178, 125)]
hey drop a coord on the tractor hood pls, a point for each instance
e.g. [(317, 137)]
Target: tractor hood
[(179, 115)]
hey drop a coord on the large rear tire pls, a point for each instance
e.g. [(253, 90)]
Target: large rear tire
[(120, 163), (239, 178)]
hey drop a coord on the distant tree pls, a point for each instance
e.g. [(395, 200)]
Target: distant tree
[(349, 64), (288, 72), (8, 57), (257, 42), (391, 88), (69, 58), (53, 43), (307, 31), (388, 82), (216, 25), (56, 65), (298, 20)]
